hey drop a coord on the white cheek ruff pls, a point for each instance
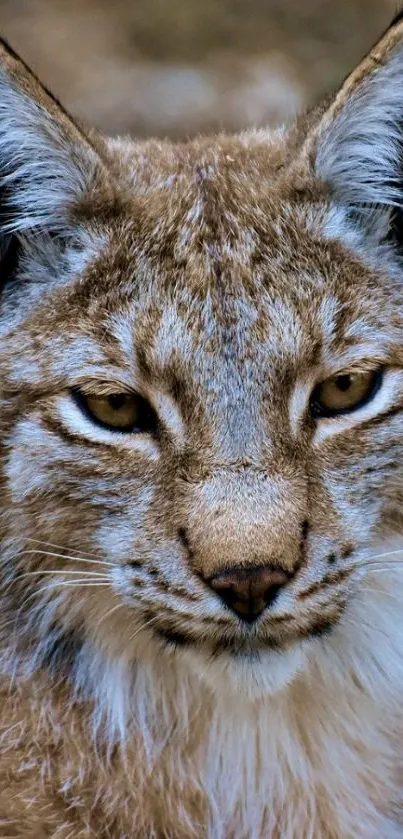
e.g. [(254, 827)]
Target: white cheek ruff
[(337, 691)]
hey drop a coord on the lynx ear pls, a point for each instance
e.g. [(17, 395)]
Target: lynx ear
[(47, 164), (358, 141)]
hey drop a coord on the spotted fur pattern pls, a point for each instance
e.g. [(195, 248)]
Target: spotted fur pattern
[(220, 279)]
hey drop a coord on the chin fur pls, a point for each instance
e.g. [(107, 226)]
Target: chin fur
[(277, 741), (249, 677), (279, 747)]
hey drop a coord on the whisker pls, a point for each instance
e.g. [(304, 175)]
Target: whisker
[(147, 623), (51, 586), (108, 614), (61, 547), (54, 586), (390, 595), (76, 583), (66, 584), (378, 563), (378, 569), (65, 556), (387, 553), (92, 575)]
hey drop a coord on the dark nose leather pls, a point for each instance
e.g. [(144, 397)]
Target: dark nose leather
[(248, 591)]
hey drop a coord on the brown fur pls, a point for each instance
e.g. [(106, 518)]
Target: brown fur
[(207, 277)]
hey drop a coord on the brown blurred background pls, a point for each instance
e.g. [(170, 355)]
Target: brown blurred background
[(176, 67)]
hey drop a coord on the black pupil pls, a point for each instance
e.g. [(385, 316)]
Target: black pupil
[(117, 400), (144, 417), (343, 382)]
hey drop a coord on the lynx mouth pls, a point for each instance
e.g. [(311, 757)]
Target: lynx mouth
[(247, 647)]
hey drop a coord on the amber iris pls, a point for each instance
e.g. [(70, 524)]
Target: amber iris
[(344, 393), (126, 412)]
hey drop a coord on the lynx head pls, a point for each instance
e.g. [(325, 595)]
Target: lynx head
[(201, 368)]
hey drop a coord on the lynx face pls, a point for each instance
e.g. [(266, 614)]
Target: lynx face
[(201, 366)]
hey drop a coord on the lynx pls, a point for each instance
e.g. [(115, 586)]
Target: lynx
[(201, 379)]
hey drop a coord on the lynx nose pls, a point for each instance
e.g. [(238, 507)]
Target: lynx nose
[(247, 591)]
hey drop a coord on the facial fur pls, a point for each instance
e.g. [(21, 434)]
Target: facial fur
[(221, 281)]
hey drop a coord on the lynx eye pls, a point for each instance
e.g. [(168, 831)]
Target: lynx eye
[(126, 412), (344, 393)]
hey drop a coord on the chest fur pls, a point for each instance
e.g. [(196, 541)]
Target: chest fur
[(289, 769)]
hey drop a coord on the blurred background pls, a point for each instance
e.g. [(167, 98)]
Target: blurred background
[(178, 67)]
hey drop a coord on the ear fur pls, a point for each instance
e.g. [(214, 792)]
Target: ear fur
[(358, 141), (47, 163)]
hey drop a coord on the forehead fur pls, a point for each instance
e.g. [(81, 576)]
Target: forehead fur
[(207, 204), (215, 243), (237, 215)]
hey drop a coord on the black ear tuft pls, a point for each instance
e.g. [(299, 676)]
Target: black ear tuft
[(394, 235), (398, 18), (10, 252), (10, 245)]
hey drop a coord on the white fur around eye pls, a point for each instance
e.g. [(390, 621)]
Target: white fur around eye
[(78, 423), (169, 414), (299, 403), (389, 393)]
